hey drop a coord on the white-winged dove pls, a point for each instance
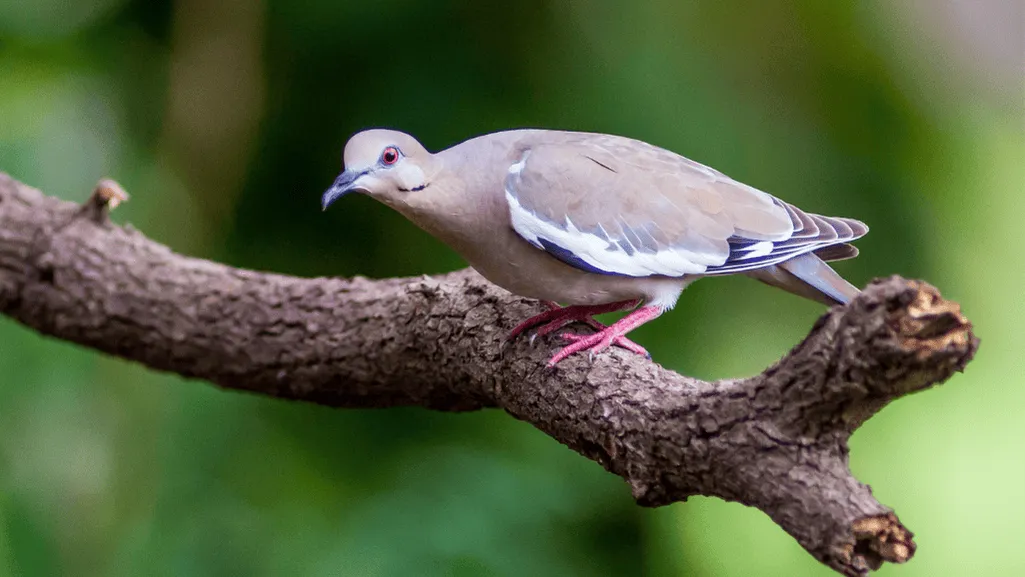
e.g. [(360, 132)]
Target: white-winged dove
[(599, 223)]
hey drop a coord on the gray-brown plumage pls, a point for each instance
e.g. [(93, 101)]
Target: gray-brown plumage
[(592, 220)]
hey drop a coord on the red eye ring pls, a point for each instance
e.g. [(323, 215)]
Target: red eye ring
[(390, 156)]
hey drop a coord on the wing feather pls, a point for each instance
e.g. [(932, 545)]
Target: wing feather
[(831, 231), (617, 206)]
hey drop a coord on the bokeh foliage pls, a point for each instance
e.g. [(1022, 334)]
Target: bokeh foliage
[(225, 120)]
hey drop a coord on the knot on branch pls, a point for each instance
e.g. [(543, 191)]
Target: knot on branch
[(913, 327), (106, 196), (931, 328), (898, 337), (878, 539)]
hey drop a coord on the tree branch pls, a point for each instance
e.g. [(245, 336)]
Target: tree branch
[(776, 441)]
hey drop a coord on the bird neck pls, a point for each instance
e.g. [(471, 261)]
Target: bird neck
[(453, 214), (465, 197)]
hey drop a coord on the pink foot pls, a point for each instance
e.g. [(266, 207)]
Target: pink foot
[(613, 334), (620, 341), (557, 317)]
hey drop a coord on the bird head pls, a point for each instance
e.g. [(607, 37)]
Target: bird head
[(384, 164)]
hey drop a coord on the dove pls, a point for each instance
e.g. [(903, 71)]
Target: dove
[(593, 223)]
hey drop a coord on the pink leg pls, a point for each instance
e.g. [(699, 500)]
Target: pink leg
[(557, 317), (606, 337)]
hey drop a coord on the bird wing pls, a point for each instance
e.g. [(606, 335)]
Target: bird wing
[(613, 205)]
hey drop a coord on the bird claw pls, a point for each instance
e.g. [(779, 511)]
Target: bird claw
[(631, 346)]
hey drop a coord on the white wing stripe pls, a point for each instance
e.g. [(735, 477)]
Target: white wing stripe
[(592, 249), (757, 249)]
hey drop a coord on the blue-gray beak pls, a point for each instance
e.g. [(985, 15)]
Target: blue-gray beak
[(343, 185)]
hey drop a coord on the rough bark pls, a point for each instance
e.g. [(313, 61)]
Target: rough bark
[(776, 441)]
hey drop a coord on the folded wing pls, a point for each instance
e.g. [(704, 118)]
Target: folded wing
[(612, 205)]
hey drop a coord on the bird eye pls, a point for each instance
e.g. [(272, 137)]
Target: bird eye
[(390, 156)]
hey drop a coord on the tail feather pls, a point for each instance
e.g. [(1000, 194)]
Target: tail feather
[(810, 277), (837, 252)]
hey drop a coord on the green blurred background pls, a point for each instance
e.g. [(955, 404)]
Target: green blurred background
[(226, 120)]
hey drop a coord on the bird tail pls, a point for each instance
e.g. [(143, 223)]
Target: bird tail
[(808, 276), (836, 252)]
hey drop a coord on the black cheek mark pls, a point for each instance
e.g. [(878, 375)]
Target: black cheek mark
[(415, 188)]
